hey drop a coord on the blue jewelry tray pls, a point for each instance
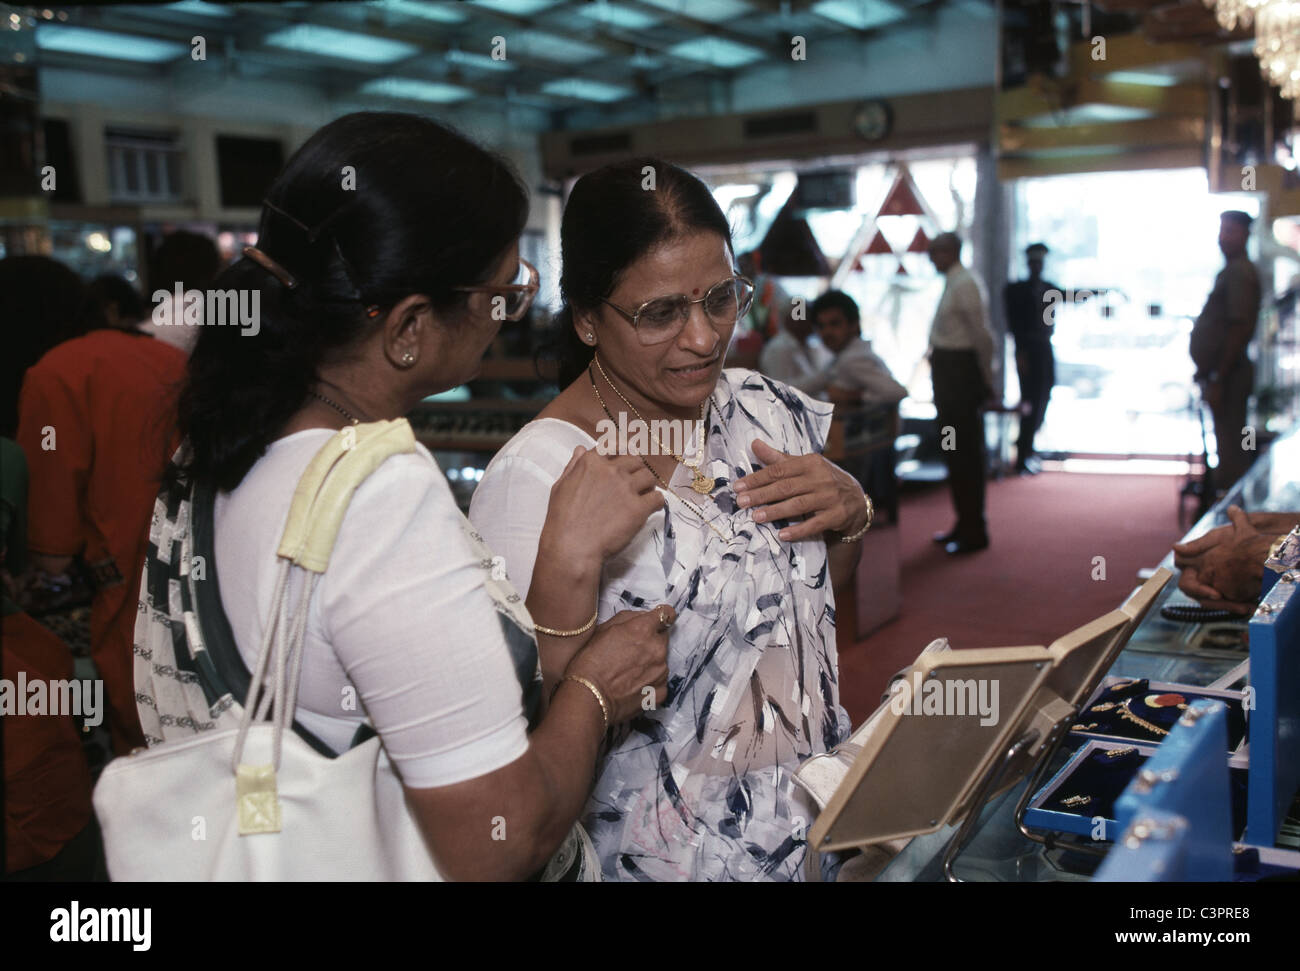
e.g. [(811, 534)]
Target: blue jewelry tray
[(1096, 819)]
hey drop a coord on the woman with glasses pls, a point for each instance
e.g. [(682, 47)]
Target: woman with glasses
[(373, 297), (751, 528)]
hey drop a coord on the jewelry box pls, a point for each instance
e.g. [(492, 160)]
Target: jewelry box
[(1081, 798), (1141, 712)]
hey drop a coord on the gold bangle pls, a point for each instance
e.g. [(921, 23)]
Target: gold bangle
[(871, 514), (604, 706), (567, 633)]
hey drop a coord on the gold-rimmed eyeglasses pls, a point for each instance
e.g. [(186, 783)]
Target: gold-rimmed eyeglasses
[(518, 294), (663, 318)]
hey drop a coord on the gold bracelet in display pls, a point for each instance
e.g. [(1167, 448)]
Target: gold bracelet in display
[(871, 514), (568, 633), (604, 705)]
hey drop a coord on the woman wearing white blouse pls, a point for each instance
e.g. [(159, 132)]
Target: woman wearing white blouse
[(365, 312), (697, 787)]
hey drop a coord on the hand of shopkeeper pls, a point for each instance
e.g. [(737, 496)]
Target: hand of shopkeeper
[(1224, 568)]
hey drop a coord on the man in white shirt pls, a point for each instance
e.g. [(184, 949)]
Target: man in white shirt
[(792, 356), (858, 374), (961, 366)]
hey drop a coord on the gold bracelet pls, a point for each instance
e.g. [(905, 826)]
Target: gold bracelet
[(871, 514), (604, 706), (567, 633)]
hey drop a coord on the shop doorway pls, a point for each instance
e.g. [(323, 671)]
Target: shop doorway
[(1134, 254)]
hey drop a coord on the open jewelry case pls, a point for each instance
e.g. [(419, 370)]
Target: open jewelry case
[(1082, 797), (1143, 712), (1181, 815), (913, 768)]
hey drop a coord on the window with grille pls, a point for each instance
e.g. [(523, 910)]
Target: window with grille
[(143, 166)]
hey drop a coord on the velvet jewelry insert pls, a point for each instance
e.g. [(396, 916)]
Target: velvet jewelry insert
[(1086, 789), (1144, 711)]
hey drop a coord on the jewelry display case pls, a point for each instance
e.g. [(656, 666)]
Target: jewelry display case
[(1136, 710), (1168, 652), (1087, 796), (916, 767)]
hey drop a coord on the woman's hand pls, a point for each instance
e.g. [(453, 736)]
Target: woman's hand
[(597, 505), (627, 655), (811, 486)]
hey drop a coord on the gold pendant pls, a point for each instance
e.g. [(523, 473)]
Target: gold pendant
[(702, 483)]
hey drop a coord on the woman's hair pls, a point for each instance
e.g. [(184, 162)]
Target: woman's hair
[(614, 216), (42, 303), (374, 207)]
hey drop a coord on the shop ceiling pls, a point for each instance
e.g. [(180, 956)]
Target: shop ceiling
[(567, 64), (558, 56)]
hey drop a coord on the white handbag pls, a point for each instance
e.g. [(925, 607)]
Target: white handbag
[(257, 802)]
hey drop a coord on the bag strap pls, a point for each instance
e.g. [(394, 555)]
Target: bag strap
[(316, 513)]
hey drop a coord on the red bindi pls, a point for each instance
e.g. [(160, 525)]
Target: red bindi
[(695, 291)]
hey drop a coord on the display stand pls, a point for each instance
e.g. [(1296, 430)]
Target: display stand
[(879, 786)]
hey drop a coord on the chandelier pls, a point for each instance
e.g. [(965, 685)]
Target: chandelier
[(1277, 44), (1230, 13), (1277, 36)]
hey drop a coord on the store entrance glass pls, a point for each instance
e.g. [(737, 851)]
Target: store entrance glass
[(1135, 255)]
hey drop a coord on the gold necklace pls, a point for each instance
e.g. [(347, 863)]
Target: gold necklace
[(1127, 713), (667, 489), (701, 483)]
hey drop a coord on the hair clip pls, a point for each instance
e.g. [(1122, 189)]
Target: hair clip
[(270, 266)]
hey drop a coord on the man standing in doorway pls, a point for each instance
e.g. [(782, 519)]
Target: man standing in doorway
[(1030, 321), (961, 367), (1220, 338)]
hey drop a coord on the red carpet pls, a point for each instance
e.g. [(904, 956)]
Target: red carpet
[(1034, 582)]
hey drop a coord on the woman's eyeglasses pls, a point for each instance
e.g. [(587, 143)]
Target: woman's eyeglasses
[(518, 294), (663, 318)]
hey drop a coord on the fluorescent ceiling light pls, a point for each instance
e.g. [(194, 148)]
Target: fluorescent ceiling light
[(328, 42), (443, 13), (713, 11), (481, 61), (642, 61), (552, 47), (104, 43), (1080, 114), (414, 89), (716, 51), (1148, 78), (201, 8), (859, 14), (617, 16), (516, 8), (586, 90)]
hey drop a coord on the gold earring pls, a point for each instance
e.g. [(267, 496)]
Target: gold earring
[(408, 358), (590, 337)]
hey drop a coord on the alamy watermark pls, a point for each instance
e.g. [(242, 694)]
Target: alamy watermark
[(80, 698), (215, 308), (945, 696), (666, 436)]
